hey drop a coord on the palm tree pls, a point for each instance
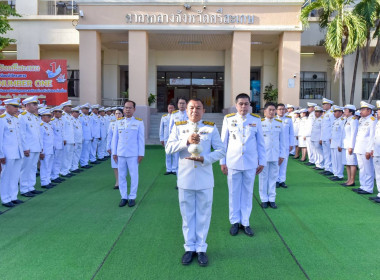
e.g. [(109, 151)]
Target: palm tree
[(345, 31)]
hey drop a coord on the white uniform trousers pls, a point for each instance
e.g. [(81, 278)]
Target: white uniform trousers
[(171, 162), (85, 154), (366, 173), (175, 160), (326, 155), (68, 153), (376, 164), (240, 193), (76, 156), (10, 175), (127, 165), (310, 150), (58, 156), (45, 169), (28, 172), (337, 164), (318, 154), (267, 182), (102, 148), (94, 149), (282, 170), (195, 209)]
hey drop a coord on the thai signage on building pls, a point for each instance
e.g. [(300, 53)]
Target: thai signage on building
[(46, 79)]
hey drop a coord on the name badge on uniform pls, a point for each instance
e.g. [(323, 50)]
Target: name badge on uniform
[(203, 132), (233, 124), (9, 121), (252, 125)]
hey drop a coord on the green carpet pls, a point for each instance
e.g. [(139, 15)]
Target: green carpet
[(321, 230)]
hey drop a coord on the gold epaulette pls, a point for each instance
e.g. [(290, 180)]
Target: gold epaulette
[(81, 115), (63, 113), (52, 119), (342, 119), (23, 113), (209, 123), (181, 123), (91, 114), (112, 120), (3, 115), (174, 111), (278, 120), (138, 119), (120, 118), (230, 115), (354, 117), (289, 117), (255, 115), (373, 118), (36, 115), (262, 119), (164, 115), (42, 124)]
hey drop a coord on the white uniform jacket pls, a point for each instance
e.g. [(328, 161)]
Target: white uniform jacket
[(110, 132), (47, 138), (177, 116), (78, 131), (287, 124), (327, 121), (243, 141), (10, 138), (86, 127), (58, 133), (349, 132), (68, 128), (304, 128), (296, 126), (316, 130), (30, 132), (164, 127), (128, 140), (274, 139), (337, 133), (365, 133), (375, 143), (194, 175), (95, 125), (103, 127)]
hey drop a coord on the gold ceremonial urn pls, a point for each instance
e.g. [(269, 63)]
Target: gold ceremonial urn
[(195, 149)]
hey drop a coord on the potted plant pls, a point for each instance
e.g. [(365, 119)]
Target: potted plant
[(151, 99), (270, 94)]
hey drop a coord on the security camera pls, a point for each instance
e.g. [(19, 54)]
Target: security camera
[(204, 7), (294, 75)]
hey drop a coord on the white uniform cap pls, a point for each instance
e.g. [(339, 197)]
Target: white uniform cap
[(338, 108), (75, 109), (317, 108), (96, 106), (303, 111), (296, 111), (44, 112), (327, 101), (114, 108), (13, 101), (32, 99), (350, 107), (67, 103), (289, 106), (357, 113), (378, 104), (309, 104), (87, 105), (57, 108), (107, 109), (101, 109), (364, 104), (2, 107), (41, 106)]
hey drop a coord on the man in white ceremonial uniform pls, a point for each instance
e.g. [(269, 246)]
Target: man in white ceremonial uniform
[(287, 125), (327, 121), (309, 146), (375, 153), (68, 139), (87, 137), (102, 148), (195, 178), (128, 150), (57, 124), (170, 160), (366, 131), (47, 156), (11, 153), (95, 133), (31, 142), (275, 153), (243, 140), (315, 137), (289, 110), (349, 137), (337, 144), (178, 116), (78, 138)]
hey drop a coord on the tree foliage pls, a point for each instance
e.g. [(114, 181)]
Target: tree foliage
[(5, 12)]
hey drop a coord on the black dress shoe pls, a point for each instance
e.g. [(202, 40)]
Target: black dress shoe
[(318, 168), (296, 157), (377, 200), (8, 204), (52, 185), (46, 187), (248, 231), (28, 194), (116, 187), (68, 175), (336, 179), (328, 173), (86, 166), (350, 185), (302, 160), (202, 259), (363, 192), (234, 230), (76, 171), (273, 205), (355, 189), (283, 185), (123, 202), (176, 187), (373, 197), (323, 172), (277, 185), (187, 258), (131, 202), (309, 164), (167, 173), (17, 201), (174, 173), (36, 192), (264, 204)]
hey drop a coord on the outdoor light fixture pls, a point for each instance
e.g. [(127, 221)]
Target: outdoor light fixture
[(81, 14), (187, 6)]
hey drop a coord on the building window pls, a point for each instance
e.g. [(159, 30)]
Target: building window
[(55, 7), (313, 85), (369, 79), (11, 3), (73, 83)]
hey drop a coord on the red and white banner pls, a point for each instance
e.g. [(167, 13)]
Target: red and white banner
[(46, 79)]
